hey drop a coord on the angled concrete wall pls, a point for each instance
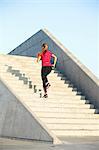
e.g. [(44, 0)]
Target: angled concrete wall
[(80, 76), (16, 121)]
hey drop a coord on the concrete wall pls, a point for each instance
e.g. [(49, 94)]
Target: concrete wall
[(68, 64), (16, 121)]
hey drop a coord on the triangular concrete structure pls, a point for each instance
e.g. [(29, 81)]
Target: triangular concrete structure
[(68, 64), (72, 104)]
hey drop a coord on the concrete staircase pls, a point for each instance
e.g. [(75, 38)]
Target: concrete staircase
[(66, 112)]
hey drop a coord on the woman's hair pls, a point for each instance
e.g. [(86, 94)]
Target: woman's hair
[(44, 44)]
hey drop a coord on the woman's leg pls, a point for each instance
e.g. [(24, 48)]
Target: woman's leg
[(44, 79), (44, 72), (49, 69)]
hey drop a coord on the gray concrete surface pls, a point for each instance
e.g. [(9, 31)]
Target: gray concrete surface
[(16, 114), (12, 144), (68, 64), (16, 120)]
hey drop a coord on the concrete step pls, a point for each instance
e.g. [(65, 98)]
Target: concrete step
[(50, 76), (17, 60), (67, 100), (79, 133), (51, 99), (52, 88), (30, 69), (14, 57), (58, 89), (28, 59), (61, 110), (67, 116), (37, 103), (55, 97), (62, 93), (16, 65), (70, 121), (68, 126), (51, 105), (51, 93), (30, 99)]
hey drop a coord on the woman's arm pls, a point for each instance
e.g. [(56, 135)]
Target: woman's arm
[(55, 59), (38, 57)]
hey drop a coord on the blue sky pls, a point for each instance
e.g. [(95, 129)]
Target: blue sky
[(74, 22)]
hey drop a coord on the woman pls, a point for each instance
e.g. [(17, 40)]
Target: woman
[(46, 56)]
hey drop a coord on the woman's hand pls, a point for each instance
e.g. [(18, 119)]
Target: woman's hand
[(55, 60), (38, 57)]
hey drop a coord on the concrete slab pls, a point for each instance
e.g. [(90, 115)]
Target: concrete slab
[(12, 144), (67, 63), (16, 120)]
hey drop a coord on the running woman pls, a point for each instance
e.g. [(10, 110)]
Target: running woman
[(46, 56)]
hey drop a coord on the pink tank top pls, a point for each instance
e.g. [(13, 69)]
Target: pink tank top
[(46, 58)]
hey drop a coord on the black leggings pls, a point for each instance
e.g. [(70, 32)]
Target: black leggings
[(44, 72)]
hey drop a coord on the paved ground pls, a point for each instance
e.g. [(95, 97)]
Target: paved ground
[(71, 144)]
